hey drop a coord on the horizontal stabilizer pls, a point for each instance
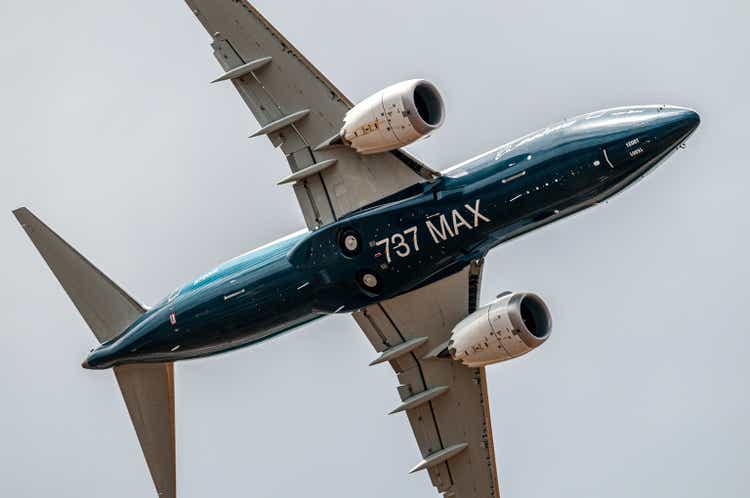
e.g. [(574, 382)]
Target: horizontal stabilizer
[(148, 390), (105, 307)]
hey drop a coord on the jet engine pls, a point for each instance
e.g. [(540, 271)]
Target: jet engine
[(512, 326), (394, 117)]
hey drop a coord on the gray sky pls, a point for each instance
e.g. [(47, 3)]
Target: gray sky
[(112, 135)]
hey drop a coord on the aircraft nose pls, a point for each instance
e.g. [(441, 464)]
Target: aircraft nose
[(673, 125), (678, 121), (688, 118)]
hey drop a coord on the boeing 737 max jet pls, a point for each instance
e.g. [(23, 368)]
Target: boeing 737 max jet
[(390, 240)]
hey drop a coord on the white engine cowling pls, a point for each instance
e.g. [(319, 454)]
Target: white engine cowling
[(512, 326), (394, 117)]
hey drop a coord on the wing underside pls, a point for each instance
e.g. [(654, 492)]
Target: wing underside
[(446, 403), (299, 109)]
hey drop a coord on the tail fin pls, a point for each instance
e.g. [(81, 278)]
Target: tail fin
[(148, 389)]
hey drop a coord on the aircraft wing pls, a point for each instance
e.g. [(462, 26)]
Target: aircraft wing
[(446, 402), (299, 109)]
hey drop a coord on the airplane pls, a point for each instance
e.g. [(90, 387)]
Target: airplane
[(390, 240)]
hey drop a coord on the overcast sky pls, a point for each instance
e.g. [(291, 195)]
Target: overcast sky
[(113, 136)]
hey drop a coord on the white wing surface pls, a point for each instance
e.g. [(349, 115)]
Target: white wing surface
[(446, 403), (298, 109)]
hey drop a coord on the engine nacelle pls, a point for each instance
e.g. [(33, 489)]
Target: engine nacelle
[(512, 326), (392, 118)]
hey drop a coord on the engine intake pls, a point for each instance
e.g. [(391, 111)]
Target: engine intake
[(512, 326), (394, 117)]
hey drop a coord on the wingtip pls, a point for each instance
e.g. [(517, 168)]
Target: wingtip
[(20, 213)]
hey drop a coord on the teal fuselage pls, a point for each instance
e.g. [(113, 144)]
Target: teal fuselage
[(409, 239)]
